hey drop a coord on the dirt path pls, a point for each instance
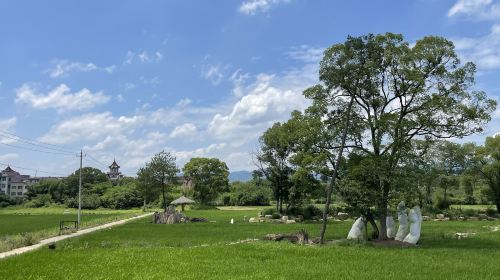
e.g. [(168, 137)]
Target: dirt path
[(44, 242)]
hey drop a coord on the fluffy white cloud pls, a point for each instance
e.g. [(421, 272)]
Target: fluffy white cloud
[(476, 9), (90, 127), (268, 99), (484, 51), (227, 130), (61, 68), (186, 130), (252, 7), (60, 98)]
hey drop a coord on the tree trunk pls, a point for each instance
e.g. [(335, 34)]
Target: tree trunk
[(164, 199), (144, 208), (383, 222), (374, 226), (498, 203), (329, 189)]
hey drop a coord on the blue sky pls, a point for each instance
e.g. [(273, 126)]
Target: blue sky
[(126, 79)]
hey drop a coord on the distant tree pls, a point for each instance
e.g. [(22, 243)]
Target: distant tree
[(274, 161), (158, 176), (56, 188), (90, 176), (488, 166), (209, 177)]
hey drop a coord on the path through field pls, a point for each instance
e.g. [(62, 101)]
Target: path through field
[(62, 237)]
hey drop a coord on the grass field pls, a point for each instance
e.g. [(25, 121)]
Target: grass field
[(141, 250), (25, 226)]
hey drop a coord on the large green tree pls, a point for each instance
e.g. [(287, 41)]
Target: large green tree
[(488, 159), (158, 176), (209, 177), (401, 92)]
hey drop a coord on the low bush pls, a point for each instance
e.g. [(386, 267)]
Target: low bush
[(442, 203), (310, 212), (247, 193), (276, 216)]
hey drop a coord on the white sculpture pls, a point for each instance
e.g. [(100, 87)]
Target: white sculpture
[(403, 229), (357, 229), (391, 227), (415, 219)]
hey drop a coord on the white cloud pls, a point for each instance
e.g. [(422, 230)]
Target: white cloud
[(62, 68), (8, 157), (306, 53), (484, 51), (60, 98), (476, 9), (213, 74), (184, 102), (7, 125), (153, 82), (228, 130), (90, 127), (186, 130), (253, 7), (143, 57)]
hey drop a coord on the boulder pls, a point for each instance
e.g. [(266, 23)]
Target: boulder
[(290, 222), (440, 216), (284, 218), (268, 216), (342, 216), (482, 217), (426, 218), (252, 220)]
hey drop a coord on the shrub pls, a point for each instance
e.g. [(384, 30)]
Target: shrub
[(276, 216), (40, 200), (309, 212), (247, 193), (491, 211), (269, 211), (442, 203), (89, 201), (122, 197)]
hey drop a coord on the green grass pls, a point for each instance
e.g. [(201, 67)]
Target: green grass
[(473, 207), (26, 226), (141, 250)]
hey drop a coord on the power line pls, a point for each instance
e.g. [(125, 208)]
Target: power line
[(35, 142), (36, 150), (30, 169), (32, 143), (96, 160)]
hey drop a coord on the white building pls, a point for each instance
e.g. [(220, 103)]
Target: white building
[(13, 184)]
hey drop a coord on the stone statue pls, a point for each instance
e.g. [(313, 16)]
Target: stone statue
[(357, 229), (403, 229), (391, 227), (415, 219)]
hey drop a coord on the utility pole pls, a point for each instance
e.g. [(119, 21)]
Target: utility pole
[(80, 191)]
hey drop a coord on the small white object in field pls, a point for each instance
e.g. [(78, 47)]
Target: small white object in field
[(415, 219), (357, 229), (391, 227), (232, 221), (403, 229)]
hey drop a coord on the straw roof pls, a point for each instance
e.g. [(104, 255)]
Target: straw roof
[(182, 200)]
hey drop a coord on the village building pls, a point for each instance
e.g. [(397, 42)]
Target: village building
[(15, 185), (114, 171)]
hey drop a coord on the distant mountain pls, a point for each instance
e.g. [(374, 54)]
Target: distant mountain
[(240, 176)]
